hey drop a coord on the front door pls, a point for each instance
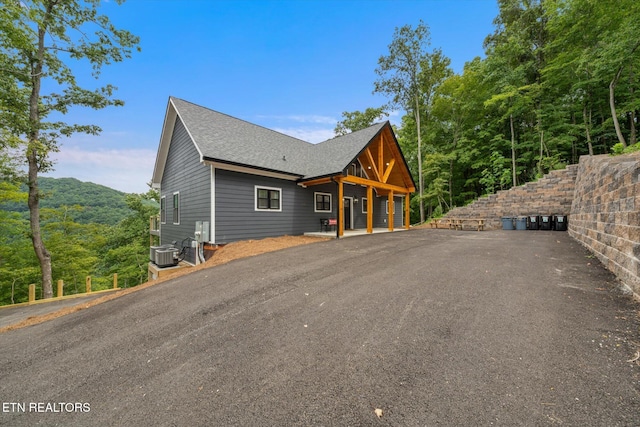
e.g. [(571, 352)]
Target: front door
[(347, 213)]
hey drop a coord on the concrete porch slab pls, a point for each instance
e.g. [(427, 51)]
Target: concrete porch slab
[(350, 233)]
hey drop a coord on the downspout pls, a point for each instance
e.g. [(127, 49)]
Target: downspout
[(337, 207)]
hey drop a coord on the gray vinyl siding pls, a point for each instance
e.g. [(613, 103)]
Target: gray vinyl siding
[(186, 174), (237, 218), (380, 216), (357, 192)]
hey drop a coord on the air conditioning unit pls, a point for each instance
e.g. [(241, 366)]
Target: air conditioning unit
[(167, 257), (153, 249)]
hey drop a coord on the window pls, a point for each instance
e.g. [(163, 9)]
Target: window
[(163, 209), (353, 169), (268, 199), (365, 205), (323, 202), (176, 208), (387, 207)]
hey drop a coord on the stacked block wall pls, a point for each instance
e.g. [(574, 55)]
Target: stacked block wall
[(605, 214), (550, 195)]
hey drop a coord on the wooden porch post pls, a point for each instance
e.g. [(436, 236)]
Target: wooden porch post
[(407, 213), (369, 209), (390, 216), (340, 208)]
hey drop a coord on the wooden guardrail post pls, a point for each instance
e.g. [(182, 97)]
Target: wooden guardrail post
[(60, 288), (115, 280), (32, 292), (88, 285)]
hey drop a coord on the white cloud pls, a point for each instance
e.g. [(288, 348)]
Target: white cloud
[(126, 170), (308, 134), (303, 118)]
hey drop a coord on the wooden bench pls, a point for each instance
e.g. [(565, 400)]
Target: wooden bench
[(443, 223), (458, 223), (475, 223)]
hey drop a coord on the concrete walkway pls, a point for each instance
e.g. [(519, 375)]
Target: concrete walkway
[(351, 233)]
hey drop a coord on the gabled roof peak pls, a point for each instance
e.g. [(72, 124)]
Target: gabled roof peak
[(221, 138)]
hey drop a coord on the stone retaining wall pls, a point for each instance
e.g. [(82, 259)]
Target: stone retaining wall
[(605, 213), (550, 195)]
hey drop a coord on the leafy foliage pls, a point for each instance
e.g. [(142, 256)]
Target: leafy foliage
[(39, 39), (356, 120), (78, 249), (559, 80), (100, 204)]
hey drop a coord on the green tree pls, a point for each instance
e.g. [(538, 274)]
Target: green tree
[(399, 79), (515, 58), (356, 120), (74, 247), (458, 108), (38, 40), (126, 250)]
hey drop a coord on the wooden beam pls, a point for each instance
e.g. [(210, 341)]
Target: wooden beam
[(318, 181), (373, 164), (381, 157), (407, 211), (375, 184), (340, 208), (391, 206), (369, 209), (385, 177)]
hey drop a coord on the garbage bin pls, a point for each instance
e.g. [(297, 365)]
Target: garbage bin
[(545, 222), (532, 222), (507, 223), (521, 223), (560, 222)]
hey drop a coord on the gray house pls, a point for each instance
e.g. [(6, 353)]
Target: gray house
[(236, 180)]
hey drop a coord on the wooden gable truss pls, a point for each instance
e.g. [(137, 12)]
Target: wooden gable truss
[(387, 173)]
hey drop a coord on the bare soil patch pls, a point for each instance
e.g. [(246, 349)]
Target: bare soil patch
[(230, 252)]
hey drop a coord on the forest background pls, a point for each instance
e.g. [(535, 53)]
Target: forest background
[(559, 80)]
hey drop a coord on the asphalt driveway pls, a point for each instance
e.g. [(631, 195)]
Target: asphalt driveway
[(433, 327)]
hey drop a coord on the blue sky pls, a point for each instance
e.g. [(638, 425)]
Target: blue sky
[(290, 65)]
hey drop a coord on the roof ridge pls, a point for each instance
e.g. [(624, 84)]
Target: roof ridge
[(239, 119), (381, 124)]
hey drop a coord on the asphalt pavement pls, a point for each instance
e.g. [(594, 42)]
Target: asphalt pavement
[(421, 328)]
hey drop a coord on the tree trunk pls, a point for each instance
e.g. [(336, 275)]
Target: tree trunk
[(513, 151), (612, 104), (587, 125), (451, 183), (455, 145), (541, 153), (420, 179), (44, 257)]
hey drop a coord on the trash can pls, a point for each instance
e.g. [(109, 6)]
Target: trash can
[(521, 223), (560, 222), (507, 223), (545, 222), (532, 222)]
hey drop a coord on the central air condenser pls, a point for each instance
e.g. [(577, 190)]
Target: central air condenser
[(166, 257), (153, 249)]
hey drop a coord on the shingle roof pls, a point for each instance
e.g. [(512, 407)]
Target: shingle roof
[(334, 155), (220, 137), (227, 139)]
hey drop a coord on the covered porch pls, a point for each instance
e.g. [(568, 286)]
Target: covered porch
[(381, 173)]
